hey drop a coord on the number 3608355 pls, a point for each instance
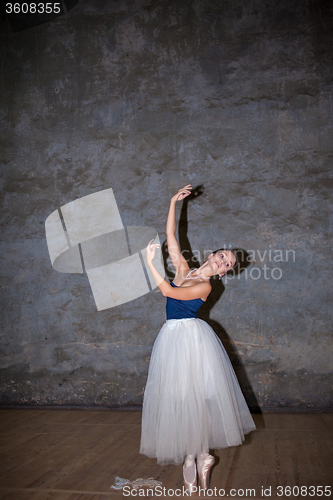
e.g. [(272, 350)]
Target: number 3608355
[(33, 8)]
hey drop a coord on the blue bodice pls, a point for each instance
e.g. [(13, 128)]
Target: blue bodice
[(179, 309)]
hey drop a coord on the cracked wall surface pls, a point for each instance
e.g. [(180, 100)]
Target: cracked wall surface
[(145, 96)]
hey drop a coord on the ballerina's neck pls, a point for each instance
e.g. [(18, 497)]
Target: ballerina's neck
[(189, 277)]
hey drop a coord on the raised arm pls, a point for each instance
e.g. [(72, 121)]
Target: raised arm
[(176, 257), (199, 291)]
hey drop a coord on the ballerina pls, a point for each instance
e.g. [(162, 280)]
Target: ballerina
[(192, 400)]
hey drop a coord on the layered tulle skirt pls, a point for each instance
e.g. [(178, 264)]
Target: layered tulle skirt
[(192, 400)]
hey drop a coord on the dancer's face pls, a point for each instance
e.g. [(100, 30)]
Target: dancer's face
[(222, 261)]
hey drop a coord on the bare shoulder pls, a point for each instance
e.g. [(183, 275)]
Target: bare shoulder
[(196, 290), (206, 286), (205, 289), (203, 286)]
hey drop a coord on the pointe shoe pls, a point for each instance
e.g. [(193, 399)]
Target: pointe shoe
[(204, 472), (191, 486)]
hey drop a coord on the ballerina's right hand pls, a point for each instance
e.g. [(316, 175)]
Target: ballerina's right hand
[(150, 251), (182, 193)]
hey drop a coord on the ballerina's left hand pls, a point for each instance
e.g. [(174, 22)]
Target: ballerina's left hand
[(150, 251)]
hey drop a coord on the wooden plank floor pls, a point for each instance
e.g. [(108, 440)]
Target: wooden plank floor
[(76, 454)]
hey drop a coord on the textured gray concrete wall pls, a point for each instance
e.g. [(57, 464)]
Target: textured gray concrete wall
[(143, 97)]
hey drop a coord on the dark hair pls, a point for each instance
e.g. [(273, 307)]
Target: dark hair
[(228, 250)]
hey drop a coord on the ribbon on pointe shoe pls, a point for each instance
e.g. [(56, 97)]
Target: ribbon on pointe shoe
[(136, 484)]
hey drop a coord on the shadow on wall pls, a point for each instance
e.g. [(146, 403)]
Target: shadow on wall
[(217, 291)]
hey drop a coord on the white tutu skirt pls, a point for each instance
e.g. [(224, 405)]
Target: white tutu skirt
[(192, 400)]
